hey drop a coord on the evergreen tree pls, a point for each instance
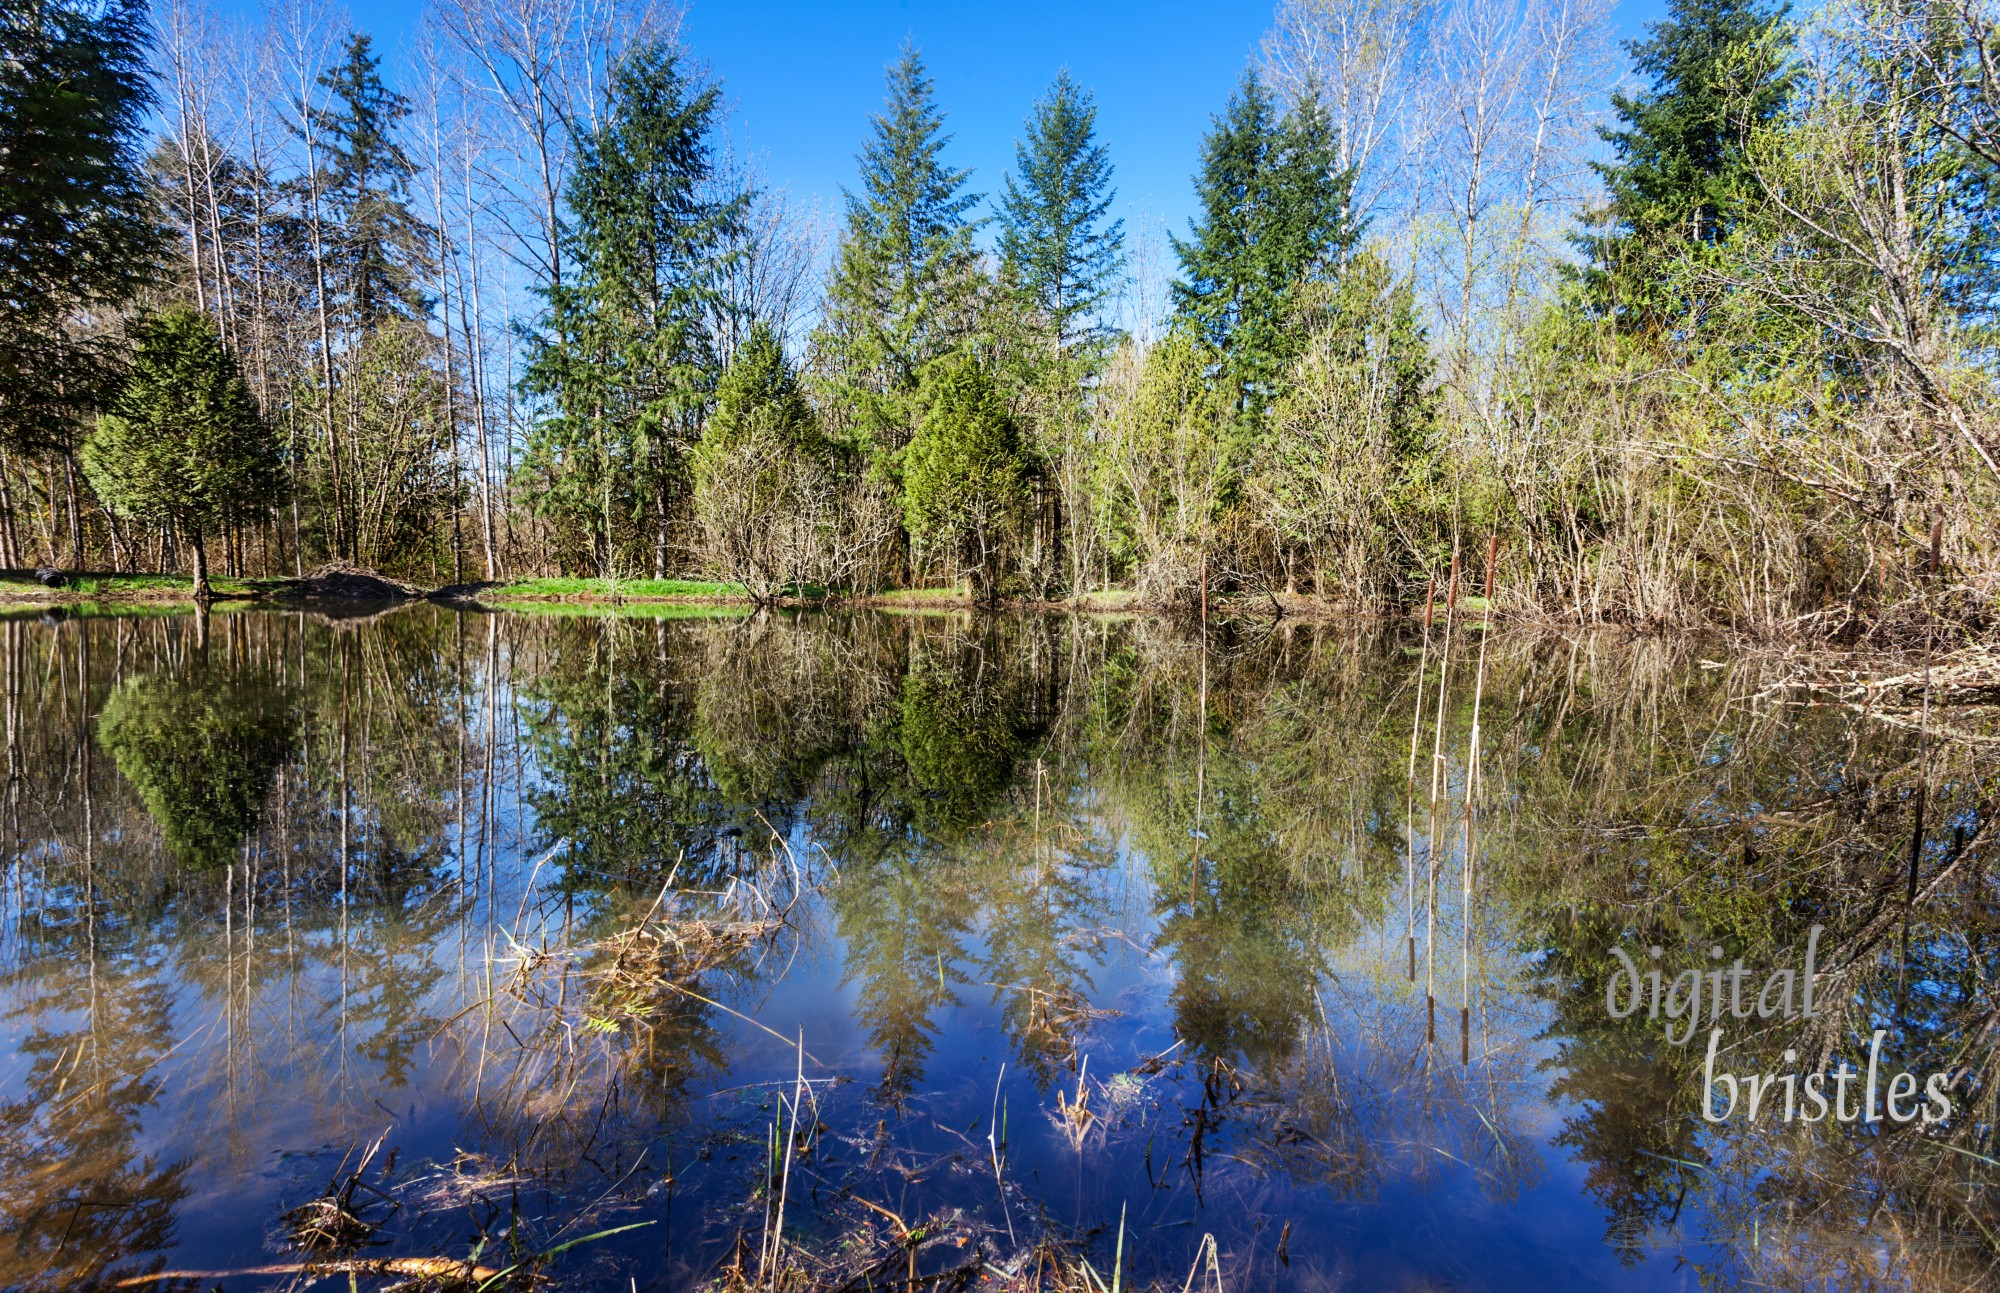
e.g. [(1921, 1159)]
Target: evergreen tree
[(380, 244), (765, 479), (1716, 74), (1273, 219), (76, 225), (904, 281), (1054, 244), (628, 358), (759, 394), (1059, 258), (202, 751), (965, 474), (183, 445)]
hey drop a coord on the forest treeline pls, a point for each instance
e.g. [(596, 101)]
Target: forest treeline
[(1717, 348)]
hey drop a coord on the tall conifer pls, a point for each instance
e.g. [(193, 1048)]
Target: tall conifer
[(1055, 244), (1273, 218), (905, 278), (381, 245), (628, 357), (77, 229), (1716, 72), (183, 444)]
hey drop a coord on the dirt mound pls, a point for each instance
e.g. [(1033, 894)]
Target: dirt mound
[(350, 582)]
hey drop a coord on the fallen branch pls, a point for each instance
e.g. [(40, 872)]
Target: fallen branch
[(437, 1268)]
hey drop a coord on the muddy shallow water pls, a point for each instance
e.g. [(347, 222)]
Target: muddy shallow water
[(875, 946)]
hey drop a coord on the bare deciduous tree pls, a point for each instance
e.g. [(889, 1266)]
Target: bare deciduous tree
[(778, 265), (1361, 57), (541, 65)]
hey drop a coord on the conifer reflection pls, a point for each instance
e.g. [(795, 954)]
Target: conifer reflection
[(201, 746)]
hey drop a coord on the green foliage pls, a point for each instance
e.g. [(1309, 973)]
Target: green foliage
[(617, 588), (1765, 387), (381, 249), (960, 737), (1055, 247), (1348, 470), (183, 445), (140, 586), (1171, 462), (76, 222), (905, 282), (759, 395), (1273, 219), (615, 788), (202, 751), (1862, 227), (1060, 257), (965, 475), (401, 471), (767, 485), (1717, 72), (627, 356)]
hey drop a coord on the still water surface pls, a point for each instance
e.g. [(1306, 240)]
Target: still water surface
[(911, 891)]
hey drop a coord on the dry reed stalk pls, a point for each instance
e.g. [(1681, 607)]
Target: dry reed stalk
[(1410, 788), (800, 1093), (1075, 1119), (1968, 676), (1058, 1019), (331, 1221), (993, 1139), (1437, 771), (1472, 775)]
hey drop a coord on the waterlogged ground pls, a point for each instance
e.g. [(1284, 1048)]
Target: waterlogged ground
[(863, 950)]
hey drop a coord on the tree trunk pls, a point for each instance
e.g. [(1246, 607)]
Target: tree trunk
[(10, 548), (75, 510), (604, 470), (118, 560), (195, 542), (660, 503), (47, 518), (475, 360), (317, 247)]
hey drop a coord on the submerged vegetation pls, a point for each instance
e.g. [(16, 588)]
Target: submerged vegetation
[(1030, 953), (1714, 350)]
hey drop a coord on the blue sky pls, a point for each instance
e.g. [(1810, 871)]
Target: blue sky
[(802, 78)]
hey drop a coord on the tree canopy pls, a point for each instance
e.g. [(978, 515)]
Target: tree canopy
[(1716, 73), (627, 356), (77, 220), (903, 289), (182, 444), (384, 249), (202, 751), (965, 474), (1272, 218), (766, 482), (1056, 245)]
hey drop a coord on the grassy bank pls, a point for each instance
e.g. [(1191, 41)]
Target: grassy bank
[(110, 586), (129, 592), (611, 590)]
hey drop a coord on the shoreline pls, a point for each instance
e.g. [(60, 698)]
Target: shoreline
[(19, 592), (331, 587)]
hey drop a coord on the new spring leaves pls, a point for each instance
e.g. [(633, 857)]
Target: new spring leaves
[(1844, 1094)]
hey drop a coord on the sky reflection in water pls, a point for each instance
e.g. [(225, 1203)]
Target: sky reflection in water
[(992, 864)]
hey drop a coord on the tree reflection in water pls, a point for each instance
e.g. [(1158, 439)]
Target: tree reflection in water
[(275, 884)]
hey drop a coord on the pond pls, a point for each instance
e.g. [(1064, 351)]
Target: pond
[(885, 951)]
